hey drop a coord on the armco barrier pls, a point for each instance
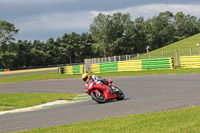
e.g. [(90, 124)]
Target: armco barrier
[(133, 65), (105, 67), (190, 61), (153, 64), (108, 67), (75, 69)]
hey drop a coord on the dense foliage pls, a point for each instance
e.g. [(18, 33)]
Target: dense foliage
[(109, 35)]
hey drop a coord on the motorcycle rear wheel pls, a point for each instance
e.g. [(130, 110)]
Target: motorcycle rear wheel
[(97, 98), (120, 94)]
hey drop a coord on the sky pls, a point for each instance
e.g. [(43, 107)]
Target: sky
[(43, 19)]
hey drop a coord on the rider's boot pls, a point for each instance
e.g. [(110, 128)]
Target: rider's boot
[(112, 89)]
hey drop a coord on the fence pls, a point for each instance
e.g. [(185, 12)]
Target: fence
[(137, 62), (88, 62), (171, 53), (133, 65), (140, 56)]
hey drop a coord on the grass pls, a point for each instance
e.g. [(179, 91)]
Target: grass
[(2, 73), (178, 121), (182, 46), (21, 100), (42, 76), (54, 75)]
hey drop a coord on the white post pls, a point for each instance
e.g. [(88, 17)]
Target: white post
[(176, 52), (109, 59), (138, 55), (92, 61), (162, 54), (114, 58), (147, 48), (199, 48), (149, 55), (85, 65)]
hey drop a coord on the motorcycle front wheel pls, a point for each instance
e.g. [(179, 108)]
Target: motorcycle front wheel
[(99, 98), (120, 94)]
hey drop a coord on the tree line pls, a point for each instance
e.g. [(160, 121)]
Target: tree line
[(108, 35)]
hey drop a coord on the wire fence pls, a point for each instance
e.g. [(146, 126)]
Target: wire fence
[(150, 55), (88, 62)]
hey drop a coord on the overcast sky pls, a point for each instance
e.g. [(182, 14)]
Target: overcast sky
[(43, 19)]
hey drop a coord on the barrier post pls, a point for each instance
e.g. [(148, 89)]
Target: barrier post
[(190, 51), (138, 56), (109, 59), (173, 63), (199, 48), (162, 54), (114, 58), (89, 65), (176, 53), (92, 61), (149, 55), (85, 65)]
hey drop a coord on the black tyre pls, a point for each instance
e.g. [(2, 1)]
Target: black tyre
[(98, 98), (120, 94)]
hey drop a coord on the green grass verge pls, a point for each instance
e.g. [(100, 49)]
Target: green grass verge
[(2, 73), (176, 121), (42, 76), (45, 76), (21, 100)]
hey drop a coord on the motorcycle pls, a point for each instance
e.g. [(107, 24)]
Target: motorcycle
[(101, 92)]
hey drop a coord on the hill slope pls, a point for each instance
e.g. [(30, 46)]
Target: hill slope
[(185, 47)]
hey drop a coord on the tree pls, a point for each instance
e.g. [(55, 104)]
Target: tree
[(7, 31), (185, 25), (160, 30), (38, 53), (108, 31)]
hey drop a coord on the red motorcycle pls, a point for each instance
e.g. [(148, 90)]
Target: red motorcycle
[(101, 93)]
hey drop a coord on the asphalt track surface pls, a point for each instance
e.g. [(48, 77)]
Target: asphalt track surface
[(144, 94)]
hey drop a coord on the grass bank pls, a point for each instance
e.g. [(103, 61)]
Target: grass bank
[(179, 121), (182, 46), (21, 100), (55, 75)]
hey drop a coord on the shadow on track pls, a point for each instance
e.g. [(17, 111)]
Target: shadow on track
[(112, 100)]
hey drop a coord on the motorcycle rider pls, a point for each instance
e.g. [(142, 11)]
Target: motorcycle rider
[(98, 80)]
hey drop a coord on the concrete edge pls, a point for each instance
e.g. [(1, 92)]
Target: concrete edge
[(78, 98)]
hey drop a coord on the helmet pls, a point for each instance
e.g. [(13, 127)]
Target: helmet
[(85, 77)]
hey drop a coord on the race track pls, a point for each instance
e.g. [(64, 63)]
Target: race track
[(144, 94)]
